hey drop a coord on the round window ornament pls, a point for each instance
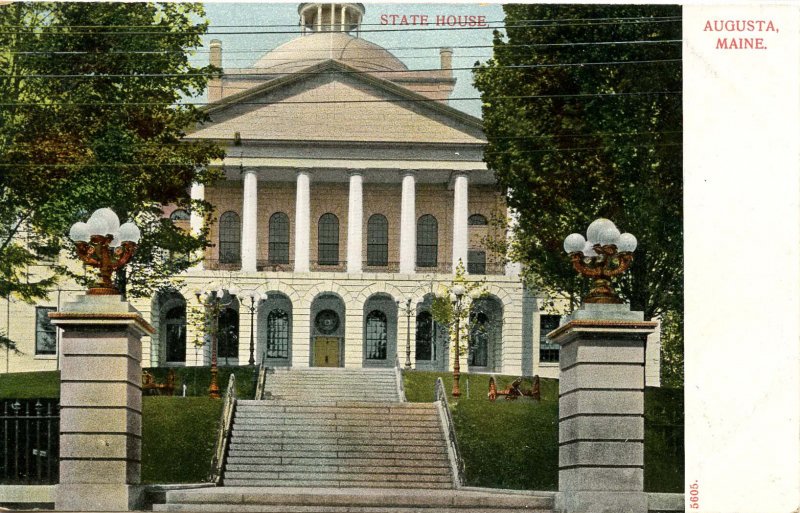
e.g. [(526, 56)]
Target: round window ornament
[(327, 321)]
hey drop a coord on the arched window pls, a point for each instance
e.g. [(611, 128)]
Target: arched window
[(230, 238), (376, 335), (377, 240), (479, 339), (175, 333), (278, 334), (279, 238), (424, 336), (328, 240), (179, 215), (228, 334), (476, 220), (427, 241)]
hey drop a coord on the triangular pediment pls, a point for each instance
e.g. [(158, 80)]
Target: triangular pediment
[(334, 102)]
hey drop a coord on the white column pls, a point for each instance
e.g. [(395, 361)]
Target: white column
[(302, 216), (333, 16), (196, 221), (460, 215), (319, 18), (343, 11), (408, 224), (355, 219), (249, 221), (512, 268)]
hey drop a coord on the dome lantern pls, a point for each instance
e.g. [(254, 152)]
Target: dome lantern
[(330, 17)]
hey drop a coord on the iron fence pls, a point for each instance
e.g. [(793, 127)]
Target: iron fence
[(29, 441)]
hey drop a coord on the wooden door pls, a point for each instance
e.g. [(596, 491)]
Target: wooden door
[(326, 352)]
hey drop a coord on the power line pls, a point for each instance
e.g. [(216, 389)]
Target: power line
[(189, 164), (268, 25), (377, 50), (339, 102), (261, 32), (357, 72)]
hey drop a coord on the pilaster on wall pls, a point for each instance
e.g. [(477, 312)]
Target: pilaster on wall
[(354, 336), (301, 335), (601, 410)]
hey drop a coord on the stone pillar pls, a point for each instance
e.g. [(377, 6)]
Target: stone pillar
[(302, 227), (408, 224), (460, 216), (512, 268), (601, 410), (249, 221), (344, 9), (101, 405), (196, 221), (355, 219), (319, 18)]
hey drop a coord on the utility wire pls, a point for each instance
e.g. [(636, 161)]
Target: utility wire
[(266, 71), (377, 50), (260, 32), (268, 25), (168, 164), (339, 102)]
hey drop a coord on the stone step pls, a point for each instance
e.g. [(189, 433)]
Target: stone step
[(338, 476), (233, 468), (429, 500), (322, 461), (310, 420), (250, 424), (295, 406), (259, 483), (335, 509), (339, 445), (332, 436), (325, 451)]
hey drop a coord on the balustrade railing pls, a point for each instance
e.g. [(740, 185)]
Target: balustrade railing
[(29, 430), (489, 268), (457, 464), (261, 382), (224, 432), (398, 375)]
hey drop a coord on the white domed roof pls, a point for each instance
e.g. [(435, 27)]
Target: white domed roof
[(314, 48)]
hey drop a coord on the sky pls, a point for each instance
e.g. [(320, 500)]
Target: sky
[(240, 50)]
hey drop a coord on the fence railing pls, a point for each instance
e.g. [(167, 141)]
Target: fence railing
[(456, 463), (261, 381), (224, 432), (29, 441), (489, 268)]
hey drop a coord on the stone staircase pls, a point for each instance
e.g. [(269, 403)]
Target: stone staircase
[(341, 440), (337, 444), (316, 384)]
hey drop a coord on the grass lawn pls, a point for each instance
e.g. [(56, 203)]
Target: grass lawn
[(514, 444), (178, 437), (505, 444)]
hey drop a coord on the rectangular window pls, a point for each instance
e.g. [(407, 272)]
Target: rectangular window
[(548, 353), (476, 262), (45, 331)]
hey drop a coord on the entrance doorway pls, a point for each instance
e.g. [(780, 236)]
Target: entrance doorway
[(326, 352)]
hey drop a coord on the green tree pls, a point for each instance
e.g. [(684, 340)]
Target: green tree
[(582, 111), (92, 115), (573, 141)]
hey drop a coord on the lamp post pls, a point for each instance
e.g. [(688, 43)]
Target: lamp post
[(458, 295), (407, 309), (101, 242), (605, 255), (213, 302), (251, 307)]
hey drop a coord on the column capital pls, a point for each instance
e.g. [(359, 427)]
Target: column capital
[(408, 172), (457, 174), (355, 172), (302, 172)]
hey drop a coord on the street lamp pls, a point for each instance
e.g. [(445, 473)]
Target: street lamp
[(606, 254), (213, 302), (101, 242), (458, 295), (407, 309), (251, 307)]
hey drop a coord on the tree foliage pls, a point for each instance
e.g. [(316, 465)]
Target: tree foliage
[(453, 313), (91, 116), (573, 140)]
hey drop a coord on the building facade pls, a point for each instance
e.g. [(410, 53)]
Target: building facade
[(352, 192)]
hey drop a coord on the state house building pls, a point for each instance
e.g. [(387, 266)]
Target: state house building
[(351, 187)]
